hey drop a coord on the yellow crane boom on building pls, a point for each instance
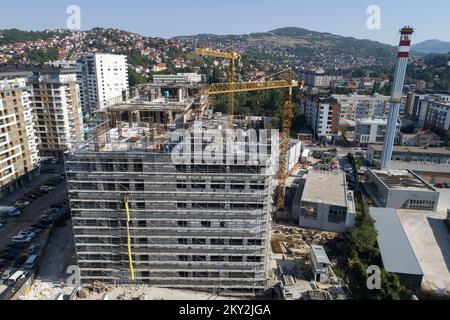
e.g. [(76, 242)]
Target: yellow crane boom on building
[(288, 114), (233, 57)]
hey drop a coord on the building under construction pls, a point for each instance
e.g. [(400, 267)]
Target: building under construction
[(141, 218)]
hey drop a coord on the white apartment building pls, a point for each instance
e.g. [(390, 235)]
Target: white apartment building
[(178, 78), (319, 79), (355, 106), (103, 79), (373, 131), (19, 158), (322, 115)]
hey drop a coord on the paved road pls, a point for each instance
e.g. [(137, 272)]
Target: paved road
[(60, 254), (31, 215)]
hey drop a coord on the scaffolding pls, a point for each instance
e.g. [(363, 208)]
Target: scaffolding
[(140, 218)]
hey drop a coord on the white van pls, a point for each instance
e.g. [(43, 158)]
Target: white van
[(31, 262), (16, 277)]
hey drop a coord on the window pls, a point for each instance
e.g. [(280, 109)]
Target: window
[(206, 224), (217, 259), (254, 242), (183, 258), (199, 258), (182, 241), (309, 212), (236, 242), (183, 274), (235, 259), (337, 215), (182, 224), (218, 242), (199, 241), (254, 259)]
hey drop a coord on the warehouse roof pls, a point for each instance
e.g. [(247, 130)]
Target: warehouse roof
[(395, 248), (442, 151), (402, 180)]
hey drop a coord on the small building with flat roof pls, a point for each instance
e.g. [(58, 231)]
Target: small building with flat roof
[(396, 251), (401, 189), (326, 203), (320, 263)]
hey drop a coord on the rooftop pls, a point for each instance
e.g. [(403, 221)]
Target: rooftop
[(327, 188), (395, 248), (443, 151), (401, 180), (320, 254)]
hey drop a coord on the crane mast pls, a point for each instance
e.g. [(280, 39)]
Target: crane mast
[(288, 109)]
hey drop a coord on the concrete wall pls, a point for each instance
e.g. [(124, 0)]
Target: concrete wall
[(321, 223)]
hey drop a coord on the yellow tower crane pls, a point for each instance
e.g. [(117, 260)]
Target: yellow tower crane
[(233, 57), (288, 113)]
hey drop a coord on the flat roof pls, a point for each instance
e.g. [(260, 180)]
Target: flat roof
[(396, 250), (401, 180), (320, 254), (322, 187), (414, 149)]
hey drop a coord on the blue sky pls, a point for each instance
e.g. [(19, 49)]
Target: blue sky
[(186, 17)]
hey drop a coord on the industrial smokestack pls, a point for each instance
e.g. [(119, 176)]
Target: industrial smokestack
[(396, 96)]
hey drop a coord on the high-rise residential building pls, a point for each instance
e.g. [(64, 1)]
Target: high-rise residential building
[(355, 106), (318, 79), (103, 80), (322, 115), (19, 158), (438, 115), (139, 216), (55, 105), (57, 109)]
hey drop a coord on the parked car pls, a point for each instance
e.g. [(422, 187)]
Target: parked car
[(20, 204), (439, 186), (31, 262), (447, 185), (46, 189), (22, 239), (54, 161), (33, 249), (58, 205), (6, 274), (12, 280)]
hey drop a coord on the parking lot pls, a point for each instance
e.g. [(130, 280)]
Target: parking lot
[(40, 202)]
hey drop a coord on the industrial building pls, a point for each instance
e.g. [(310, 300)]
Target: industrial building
[(410, 154), (401, 189), (140, 217), (326, 203), (396, 251), (19, 158)]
